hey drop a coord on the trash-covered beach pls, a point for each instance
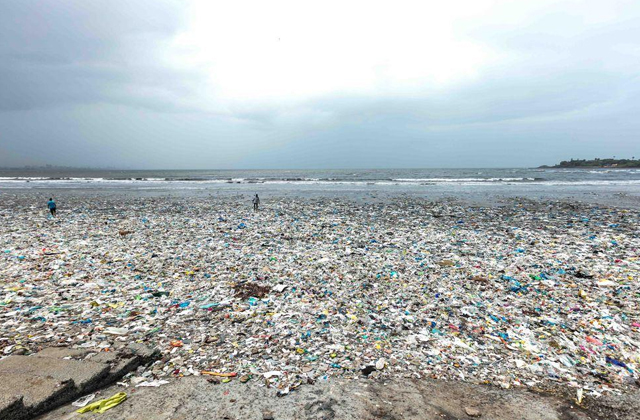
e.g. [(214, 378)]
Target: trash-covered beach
[(520, 294)]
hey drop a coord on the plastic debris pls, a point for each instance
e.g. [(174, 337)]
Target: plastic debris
[(472, 412), (222, 374), (103, 405), (116, 331), (81, 402), (154, 384), (518, 293), (280, 288), (579, 396)]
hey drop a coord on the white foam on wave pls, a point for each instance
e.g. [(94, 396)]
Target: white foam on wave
[(21, 182), (593, 182), (462, 179)]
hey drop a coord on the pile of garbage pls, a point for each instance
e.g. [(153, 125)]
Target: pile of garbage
[(518, 294)]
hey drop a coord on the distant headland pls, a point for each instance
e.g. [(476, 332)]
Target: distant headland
[(597, 163)]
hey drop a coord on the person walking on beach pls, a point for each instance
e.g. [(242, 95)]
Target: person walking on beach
[(52, 207), (256, 202)]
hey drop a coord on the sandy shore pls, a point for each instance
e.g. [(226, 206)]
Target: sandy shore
[(528, 294)]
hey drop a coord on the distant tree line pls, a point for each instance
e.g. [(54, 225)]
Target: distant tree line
[(599, 163)]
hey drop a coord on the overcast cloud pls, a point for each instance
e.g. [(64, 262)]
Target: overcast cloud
[(296, 84)]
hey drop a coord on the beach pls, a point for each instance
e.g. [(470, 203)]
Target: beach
[(522, 293)]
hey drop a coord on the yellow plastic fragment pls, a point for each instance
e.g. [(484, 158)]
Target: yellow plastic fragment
[(104, 405)]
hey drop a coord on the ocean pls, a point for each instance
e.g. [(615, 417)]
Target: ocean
[(607, 186)]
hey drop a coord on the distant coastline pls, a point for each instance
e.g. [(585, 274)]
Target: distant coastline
[(597, 163), (53, 168)]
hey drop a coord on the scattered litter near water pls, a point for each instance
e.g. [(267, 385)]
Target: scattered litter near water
[(248, 290), (81, 402), (279, 288), (135, 380), (520, 293), (116, 331), (222, 374), (155, 383), (579, 396), (284, 391), (607, 283)]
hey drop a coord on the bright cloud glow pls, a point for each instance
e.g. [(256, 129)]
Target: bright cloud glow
[(293, 50)]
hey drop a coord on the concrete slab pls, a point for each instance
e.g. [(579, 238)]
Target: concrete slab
[(11, 406), (108, 357), (119, 363), (34, 392), (85, 375)]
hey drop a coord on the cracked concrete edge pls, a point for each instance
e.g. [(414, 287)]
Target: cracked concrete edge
[(146, 354), (130, 357), (11, 406), (62, 353), (37, 395), (85, 374), (65, 392)]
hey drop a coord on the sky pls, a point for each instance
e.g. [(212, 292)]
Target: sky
[(150, 84)]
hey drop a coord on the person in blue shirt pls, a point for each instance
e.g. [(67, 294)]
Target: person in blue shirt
[(52, 207)]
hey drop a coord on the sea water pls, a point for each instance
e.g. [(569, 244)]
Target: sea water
[(606, 186)]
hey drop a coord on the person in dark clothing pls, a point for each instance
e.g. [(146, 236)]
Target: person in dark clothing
[(52, 207), (256, 202)]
